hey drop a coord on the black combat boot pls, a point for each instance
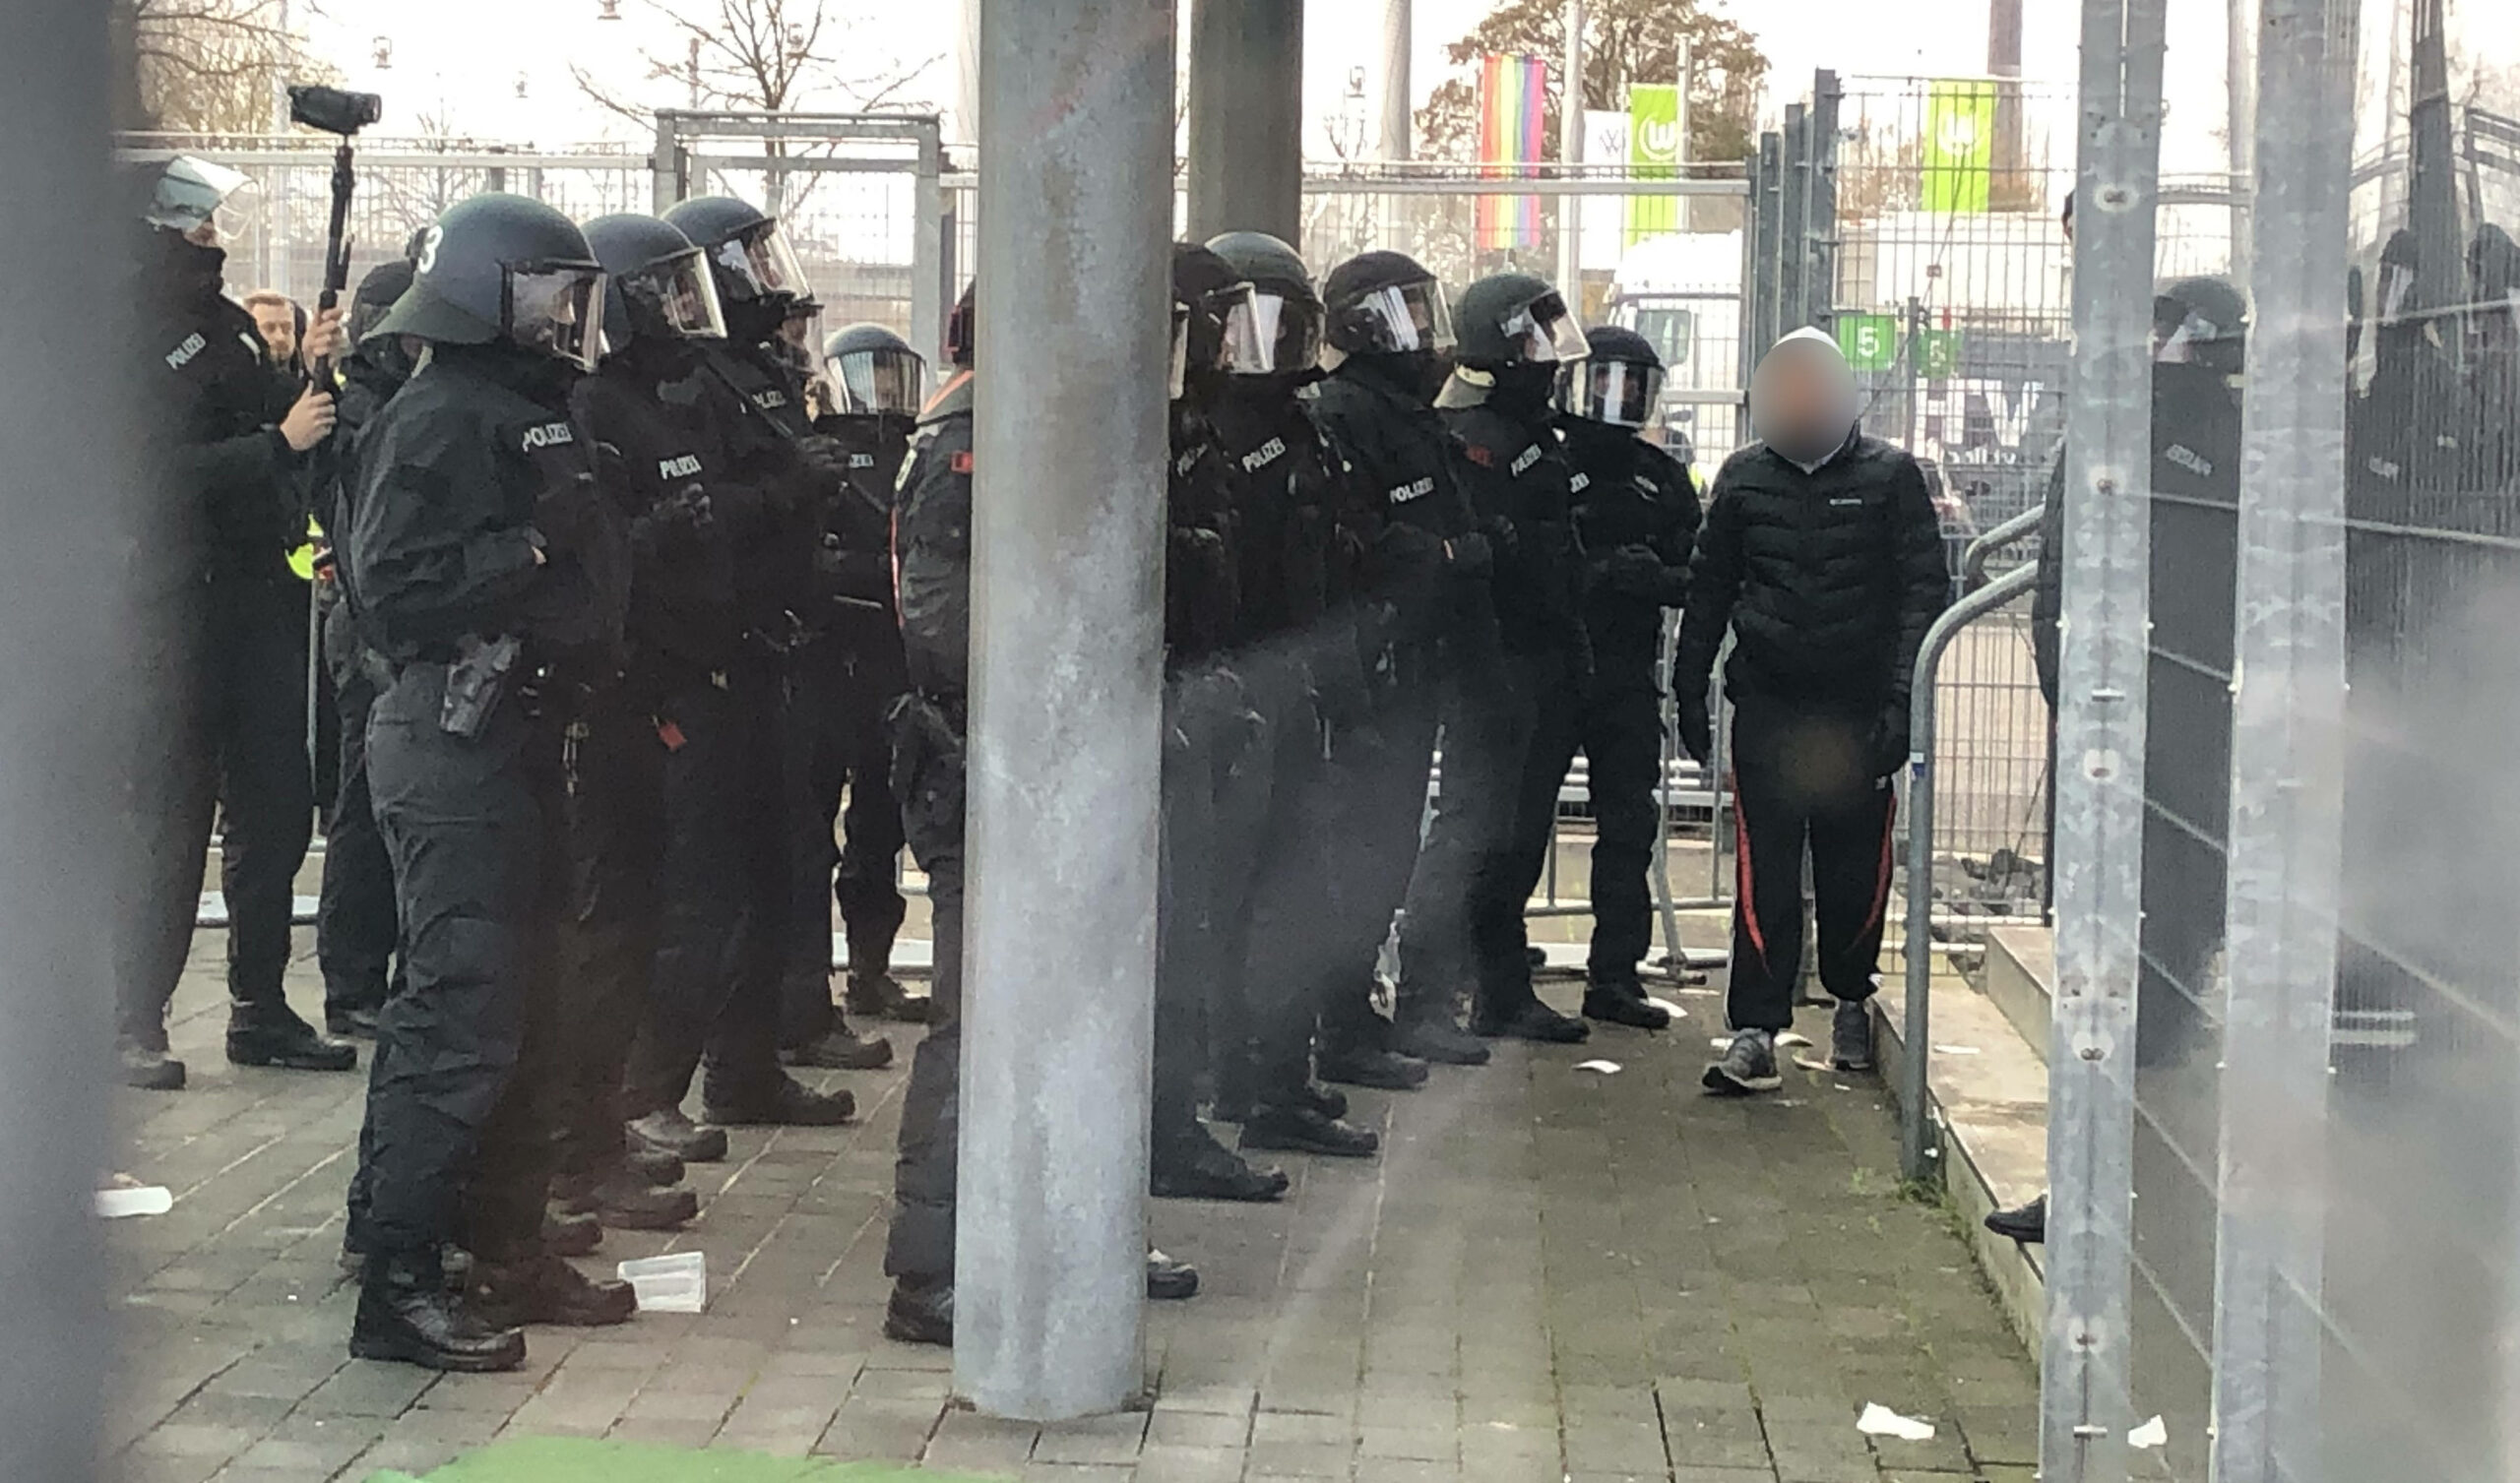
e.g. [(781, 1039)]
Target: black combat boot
[(920, 1313), (273, 1035), (1195, 1167), (878, 996), (544, 1289), (787, 1103), (407, 1314)]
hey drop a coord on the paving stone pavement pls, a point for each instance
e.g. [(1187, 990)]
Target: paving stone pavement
[(1551, 1274)]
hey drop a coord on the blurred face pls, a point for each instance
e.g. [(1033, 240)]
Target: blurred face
[(1803, 401), (278, 324)]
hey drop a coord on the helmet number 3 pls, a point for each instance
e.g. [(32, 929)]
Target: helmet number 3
[(428, 248)]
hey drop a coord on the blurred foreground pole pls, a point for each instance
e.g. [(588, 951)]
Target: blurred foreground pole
[(1067, 563), (1397, 128), (1570, 153), (2084, 1405), (68, 640), (1246, 119), (2288, 759)]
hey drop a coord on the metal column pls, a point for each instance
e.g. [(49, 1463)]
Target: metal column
[(2084, 1403), (1793, 223), (1067, 561), (86, 596), (1570, 153), (1820, 226), (931, 270), (1246, 119), (2288, 762), (1398, 130)]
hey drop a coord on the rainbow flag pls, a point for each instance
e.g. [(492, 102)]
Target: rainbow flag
[(1513, 96)]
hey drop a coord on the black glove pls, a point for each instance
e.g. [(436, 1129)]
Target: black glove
[(1697, 728), (1634, 571), (1472, 557), (824, 455), (1501, 535), (1887, 750)]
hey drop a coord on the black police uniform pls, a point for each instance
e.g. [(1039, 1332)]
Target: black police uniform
[(932, 548), (1428, 609), (1828, 581), (239, 670), (1465, 917), (846, 677), (466, 474), (1636, 512), (721, 945), (355, 926)]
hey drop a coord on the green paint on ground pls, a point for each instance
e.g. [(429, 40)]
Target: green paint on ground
[(574, 1459)]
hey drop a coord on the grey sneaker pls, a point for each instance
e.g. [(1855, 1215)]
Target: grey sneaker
[(1851, 1036), (1748, 1067)]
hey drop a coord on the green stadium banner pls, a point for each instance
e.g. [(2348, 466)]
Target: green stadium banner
[(1938, 353), (1870, 340), (1652, 154), (1959, 145)]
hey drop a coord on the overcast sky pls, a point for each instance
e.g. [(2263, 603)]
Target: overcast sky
[(463, 60)]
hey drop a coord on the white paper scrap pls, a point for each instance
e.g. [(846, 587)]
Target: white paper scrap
[(141, 1200), (1606, 1068), (1792, 1039), (1879, 1420), (2152, 1434), (1668, 1007)]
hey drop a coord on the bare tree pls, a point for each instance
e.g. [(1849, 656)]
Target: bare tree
[(205, 66), (748, 54)]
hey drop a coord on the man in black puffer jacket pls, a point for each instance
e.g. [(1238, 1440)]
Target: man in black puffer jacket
[(1823, 558)]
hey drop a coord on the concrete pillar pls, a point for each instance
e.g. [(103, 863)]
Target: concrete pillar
[(1246, 119), (1075, 338), (88, 589)]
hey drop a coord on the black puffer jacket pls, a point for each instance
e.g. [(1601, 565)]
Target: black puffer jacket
[(1827, 579)]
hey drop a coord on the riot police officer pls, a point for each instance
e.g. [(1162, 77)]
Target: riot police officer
[(488, 575), (1465, 920), (932, 553), (657, 418), (1636, 513), (1215, 780), (240, 437), (1306, 519), (871, 388), (356, 927), (722, 937)]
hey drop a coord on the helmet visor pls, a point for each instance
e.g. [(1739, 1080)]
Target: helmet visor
[(799, 336), (2180, 335), (1615, 391), (1544, 333), (877, 382), (680, 293), (1291, 327), (1405, 318), (1249, 348), (192, 194), (1179, 378), (761, 264), (559, 309)]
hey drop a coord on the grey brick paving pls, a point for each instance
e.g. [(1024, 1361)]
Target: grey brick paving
[(1550, 1275)]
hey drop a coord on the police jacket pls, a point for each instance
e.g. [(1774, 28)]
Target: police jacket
[(466, 475), (1202, 593), (663, 455), (1632, 501), (1306, 528), (854, 564), (932, 547), (772, 518), (1521, 489), (2048, 596), (241, 488), (1828, 580), (1396, 447), (369, 377)]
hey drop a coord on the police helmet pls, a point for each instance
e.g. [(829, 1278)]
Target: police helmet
[(505, 268), (376, 294), (1290, 314), (1216, 319), (873, 373), (660, 285), (187, 194), (1385, 303), (2201, 321), (963, 328), (1511, 319), (1620, 384), (753, 256)]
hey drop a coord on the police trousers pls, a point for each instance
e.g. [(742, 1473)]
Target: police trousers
[(355, 925), (839, 768), (1217, 785), (928, 775), (1618, 724), (446, 1154)]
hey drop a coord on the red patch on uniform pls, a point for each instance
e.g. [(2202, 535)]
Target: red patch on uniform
[(1480, 455), (671, 735), (963, 463)]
